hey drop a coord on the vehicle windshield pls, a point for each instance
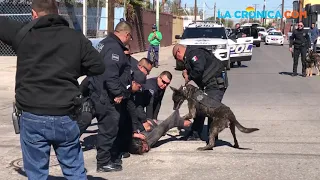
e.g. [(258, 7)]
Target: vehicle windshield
[(275, 33), (204, 33), (261, 29)]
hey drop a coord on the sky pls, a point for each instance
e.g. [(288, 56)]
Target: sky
[(234, 5)]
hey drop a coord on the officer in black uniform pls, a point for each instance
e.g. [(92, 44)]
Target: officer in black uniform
[(107, 92), (300, 39), (207, 72), (236, 33), (156, 87)]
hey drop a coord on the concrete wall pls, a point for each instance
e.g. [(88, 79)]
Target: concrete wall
[(177, 28)]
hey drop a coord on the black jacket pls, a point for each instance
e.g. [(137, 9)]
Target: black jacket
[(156, 96), (61, 54), (118, 70), (300, 38), (202, 66)]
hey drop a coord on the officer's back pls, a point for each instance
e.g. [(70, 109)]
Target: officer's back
[(50, 58), (49, 63), (118, 67), (205, 66)]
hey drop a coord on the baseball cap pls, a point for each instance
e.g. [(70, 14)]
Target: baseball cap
[(154, 26), (139, 77)]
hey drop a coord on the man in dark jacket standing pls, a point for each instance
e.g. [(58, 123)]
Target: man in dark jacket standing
[(107, 93), (300, 39), (314, 31), (50, 58), (207, 72)]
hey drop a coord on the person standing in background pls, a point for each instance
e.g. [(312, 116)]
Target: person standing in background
[(154, 39)]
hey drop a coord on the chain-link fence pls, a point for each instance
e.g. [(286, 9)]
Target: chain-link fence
[(96, 21)]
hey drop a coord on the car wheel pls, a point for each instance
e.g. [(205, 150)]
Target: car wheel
[(266, 43), (239, 63), (281, 44), (258, 45)]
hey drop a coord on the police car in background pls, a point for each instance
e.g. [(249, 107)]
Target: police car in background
[(213, 36)]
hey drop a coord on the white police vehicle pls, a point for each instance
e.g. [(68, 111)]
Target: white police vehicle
[(213, 37)]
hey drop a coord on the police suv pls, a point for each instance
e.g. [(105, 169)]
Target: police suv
[(214, 37)]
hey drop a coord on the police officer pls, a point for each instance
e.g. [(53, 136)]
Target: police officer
[(237, 32), (130, 121), (156, 87), (207, 72), (300, 39), (107, 92), (50, 58)]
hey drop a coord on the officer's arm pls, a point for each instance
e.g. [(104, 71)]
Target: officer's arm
[(157, 109), (308, 40), (111, 76), (136, 124), (198, 62), (91, 61), (292, 37), (9, 29), (142, 116)]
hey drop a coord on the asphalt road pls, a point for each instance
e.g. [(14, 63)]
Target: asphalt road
[(284, 108)]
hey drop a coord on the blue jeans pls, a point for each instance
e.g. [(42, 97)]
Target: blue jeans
[(156, 54), (38, 133)]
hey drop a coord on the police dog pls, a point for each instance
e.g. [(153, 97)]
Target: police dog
[(222, 116), (312, 60)]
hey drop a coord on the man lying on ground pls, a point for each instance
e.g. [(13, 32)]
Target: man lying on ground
[(143, 141)]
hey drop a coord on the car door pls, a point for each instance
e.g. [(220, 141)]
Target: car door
[(241, 47)]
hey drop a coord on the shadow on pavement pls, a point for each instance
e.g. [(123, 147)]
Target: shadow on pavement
[(89, 177), (288, 73)]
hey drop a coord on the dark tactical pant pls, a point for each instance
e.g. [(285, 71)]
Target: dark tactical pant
[(296, 53), (108, 117), (197, 125)]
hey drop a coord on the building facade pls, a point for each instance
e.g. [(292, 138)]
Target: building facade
[(312, 7)]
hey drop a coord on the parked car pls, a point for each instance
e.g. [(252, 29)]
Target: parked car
[(262, 33), (275, 37)]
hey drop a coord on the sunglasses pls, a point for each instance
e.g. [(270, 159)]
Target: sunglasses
[(146, 69), (164, 82)]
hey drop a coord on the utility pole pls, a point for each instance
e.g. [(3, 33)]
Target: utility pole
[(255, 9), (264, 13), (110, 15), (84, 18), (214, 13), (282, 11), (158, 14), (195, 10), (204, 10), (301, 2)]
